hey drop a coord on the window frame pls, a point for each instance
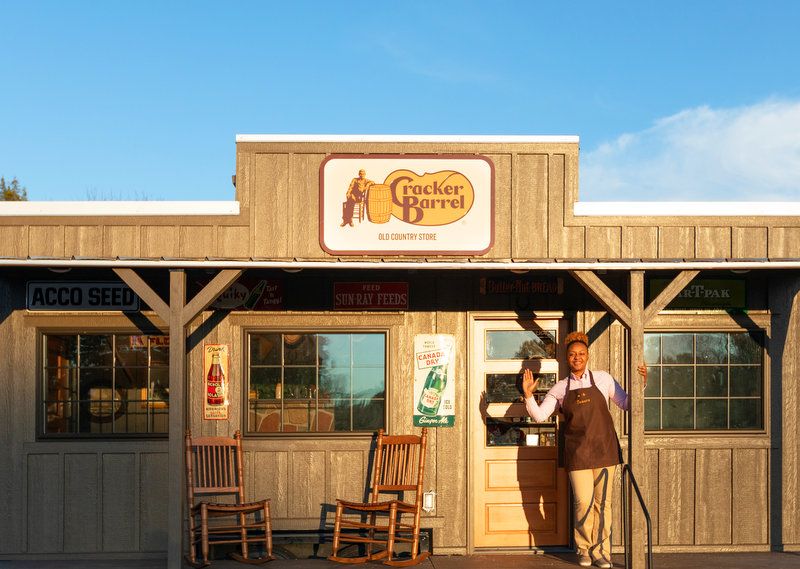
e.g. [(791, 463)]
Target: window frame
[(289, 329), (697, 322), (41, 377)]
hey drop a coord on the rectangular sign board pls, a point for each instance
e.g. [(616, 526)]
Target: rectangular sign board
[(705, 293), (51, 295), (434, 380), (406, 204), (370, 296)]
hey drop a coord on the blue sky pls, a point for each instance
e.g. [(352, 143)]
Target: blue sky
[(142, 100)]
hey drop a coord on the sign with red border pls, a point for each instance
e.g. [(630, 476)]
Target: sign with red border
[(399, 204)]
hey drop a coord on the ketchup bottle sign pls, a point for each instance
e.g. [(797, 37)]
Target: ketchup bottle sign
[(215, 383)]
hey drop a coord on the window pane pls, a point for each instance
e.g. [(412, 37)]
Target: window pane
[(503, 387), (652, 348), (334, 383), (746, 414), (712, 413), (712, 381), (263, 383), (159, 384), (334, 350), (678, 414), (131, 350), (676, 348), (342, 410), (299, 382), (264, 417), (520, 344), (159, 350), (677, 381), (96, 351), (265, 349), (299, 349), (368, 382), (712, 348), (745, 381), (131, 378), (298, 416), (369, 350), (368, 414), (653, 388), (62, 351), (652, 414), (746, 348)]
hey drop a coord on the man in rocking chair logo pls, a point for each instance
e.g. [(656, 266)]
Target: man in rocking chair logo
[(355, 195)]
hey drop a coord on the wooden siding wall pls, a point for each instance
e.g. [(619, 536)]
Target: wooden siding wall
[(278, 190), (69, 497), (304, 477)]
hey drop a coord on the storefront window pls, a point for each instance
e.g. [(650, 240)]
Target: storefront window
[(704, 381), (105, 384), (310, 382)]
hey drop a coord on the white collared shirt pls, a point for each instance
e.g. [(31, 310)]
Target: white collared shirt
[(607, 385)]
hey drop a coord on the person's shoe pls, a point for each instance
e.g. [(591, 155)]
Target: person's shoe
[(603, 563), (343, 224), (584, 560)]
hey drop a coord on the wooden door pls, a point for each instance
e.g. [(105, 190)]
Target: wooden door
[(519, 494)]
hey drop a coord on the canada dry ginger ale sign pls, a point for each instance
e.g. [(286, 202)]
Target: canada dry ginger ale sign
[(434, 380), (406, 204)]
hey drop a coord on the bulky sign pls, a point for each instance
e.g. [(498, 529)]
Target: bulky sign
[(81, 296), (400, 204)]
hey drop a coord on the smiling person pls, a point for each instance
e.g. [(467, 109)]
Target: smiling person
[(591, 447)]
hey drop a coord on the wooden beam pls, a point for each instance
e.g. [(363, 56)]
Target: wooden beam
[(636, 451), (668, 294), (177, 412), (209, 294), (604, 295), (147, 294)]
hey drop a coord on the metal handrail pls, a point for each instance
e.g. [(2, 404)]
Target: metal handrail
[(626, 471)]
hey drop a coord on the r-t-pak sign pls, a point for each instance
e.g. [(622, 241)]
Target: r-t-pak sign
[(399, 204)]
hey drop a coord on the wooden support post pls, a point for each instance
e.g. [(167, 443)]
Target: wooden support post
[(177, 413), (177, 314), (636, 455)]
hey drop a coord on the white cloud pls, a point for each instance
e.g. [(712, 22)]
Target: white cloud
[(747, 153)]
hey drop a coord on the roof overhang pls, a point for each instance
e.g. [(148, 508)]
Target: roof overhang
[(515, 266)]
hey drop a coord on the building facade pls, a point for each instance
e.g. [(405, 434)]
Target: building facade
[(330, 295)]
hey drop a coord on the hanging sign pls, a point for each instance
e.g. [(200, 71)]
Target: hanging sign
[(510, 285), (705, 293), (370, 296), (48, 295), (251, 294), (216, 382), (434, 380), (405, 204)]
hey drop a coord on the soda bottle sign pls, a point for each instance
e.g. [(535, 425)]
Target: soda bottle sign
[(215, 383), (431, 396)]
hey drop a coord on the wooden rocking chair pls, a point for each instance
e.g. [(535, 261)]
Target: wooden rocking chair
[(214, 467), (398, 468)]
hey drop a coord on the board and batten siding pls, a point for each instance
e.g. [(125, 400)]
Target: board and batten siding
[(536, 187)]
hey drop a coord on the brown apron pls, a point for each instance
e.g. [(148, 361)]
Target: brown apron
[(590, 440)]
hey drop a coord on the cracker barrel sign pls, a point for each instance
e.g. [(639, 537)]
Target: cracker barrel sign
[(401, 204)]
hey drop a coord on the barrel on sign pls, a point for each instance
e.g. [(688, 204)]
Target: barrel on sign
[(379, 203)]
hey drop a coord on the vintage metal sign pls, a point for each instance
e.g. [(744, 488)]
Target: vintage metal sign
[(216, 381), (251, 294), (405, 204), (48, 295), (434, 380), (370, 296), (705, 293)]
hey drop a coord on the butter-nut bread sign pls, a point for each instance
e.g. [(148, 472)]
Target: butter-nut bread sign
[(399, 204)]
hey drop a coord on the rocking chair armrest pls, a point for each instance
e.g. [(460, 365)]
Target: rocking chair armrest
[(366, 506)]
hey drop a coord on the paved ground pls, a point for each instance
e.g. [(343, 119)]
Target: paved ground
[(527, 561)]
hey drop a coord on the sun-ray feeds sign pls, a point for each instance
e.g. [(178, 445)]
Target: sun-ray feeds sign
[(406, 204)]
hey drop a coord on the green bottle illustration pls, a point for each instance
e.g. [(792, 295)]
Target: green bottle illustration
[(431, 396)]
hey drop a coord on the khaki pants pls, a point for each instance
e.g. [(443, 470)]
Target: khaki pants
[(592, 491)]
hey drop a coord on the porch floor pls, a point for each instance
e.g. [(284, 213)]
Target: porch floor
[(773, 560)]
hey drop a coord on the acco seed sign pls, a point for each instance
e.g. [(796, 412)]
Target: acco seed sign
[(406, 204)]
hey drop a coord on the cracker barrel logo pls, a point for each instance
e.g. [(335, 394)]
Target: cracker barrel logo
[(405, 203)]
